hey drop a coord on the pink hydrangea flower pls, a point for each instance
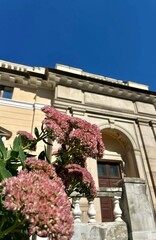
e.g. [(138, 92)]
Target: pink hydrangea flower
[(56, 123), (77, 178), (89, 136), (28, 140), (41, 201), (29, 136), (74, 132), (41, 166), (79, 140)]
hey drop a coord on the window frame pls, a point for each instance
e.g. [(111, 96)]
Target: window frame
[(6, 91), (108, 171)]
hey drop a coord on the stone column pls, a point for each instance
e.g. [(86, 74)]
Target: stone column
[(153, 125), (137, 210), (147, 133)]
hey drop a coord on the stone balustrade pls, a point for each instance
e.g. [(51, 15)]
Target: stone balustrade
[(114, 193)]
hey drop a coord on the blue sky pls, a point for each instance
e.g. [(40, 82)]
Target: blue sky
[(114, 38)]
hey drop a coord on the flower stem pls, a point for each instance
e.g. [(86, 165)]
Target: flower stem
[(10, 229)]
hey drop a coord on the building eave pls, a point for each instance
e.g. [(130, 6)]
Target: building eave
[(101, 87), (37, 77)]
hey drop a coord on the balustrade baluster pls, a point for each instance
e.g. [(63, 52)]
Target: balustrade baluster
[(117, 210), (76, 211), (91, 211)]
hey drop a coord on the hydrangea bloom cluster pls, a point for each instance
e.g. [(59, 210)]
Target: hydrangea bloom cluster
[(77, 178), (40, 200), (77, 136), (27, 140), (90, 138), (33, 164), (57, 124), (79, 140), (25, 134), (41, 166)]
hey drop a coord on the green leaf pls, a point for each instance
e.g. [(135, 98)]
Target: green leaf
[(3, 149), (8, 154), (36, 132), (22, 156), (14, 154), (2, 164), (4, 173), (17, 143)]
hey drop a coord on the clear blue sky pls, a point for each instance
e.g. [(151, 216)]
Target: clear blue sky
[(114, 38)]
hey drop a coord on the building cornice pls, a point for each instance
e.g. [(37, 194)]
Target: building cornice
[(103, 88), (37, 77), (13, 78)]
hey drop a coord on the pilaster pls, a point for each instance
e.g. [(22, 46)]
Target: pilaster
[(149, 144), (137, 210)]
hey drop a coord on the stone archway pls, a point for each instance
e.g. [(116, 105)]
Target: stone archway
[(118, 162), (119, 148)]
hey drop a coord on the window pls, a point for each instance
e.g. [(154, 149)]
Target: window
[(109, 170), (6, 92)]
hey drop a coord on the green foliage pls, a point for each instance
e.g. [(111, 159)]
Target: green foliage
[(3, 151), (4, 173), (17, 143), (36, 132), (12, 226), (11, 160)]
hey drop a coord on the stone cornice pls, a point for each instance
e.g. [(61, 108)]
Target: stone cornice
[(105, 89), (153, 123), (143, 121), (36, 77), (31, 81), (79, 72)]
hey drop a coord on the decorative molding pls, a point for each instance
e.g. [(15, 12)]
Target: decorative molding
[(152, 123), (18, 104), (143, 121), (48, 78), (101, 88), (31, 81), (13, 103)]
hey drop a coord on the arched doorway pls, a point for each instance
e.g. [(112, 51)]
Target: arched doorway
[(119, 161)]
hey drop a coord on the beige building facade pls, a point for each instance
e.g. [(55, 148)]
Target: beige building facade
[(124, 111)]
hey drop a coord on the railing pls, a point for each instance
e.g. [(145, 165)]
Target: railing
[(114, 193)]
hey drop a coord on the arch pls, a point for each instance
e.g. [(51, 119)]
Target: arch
[(122, 130), (120, 144)]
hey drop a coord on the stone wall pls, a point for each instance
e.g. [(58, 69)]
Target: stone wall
[(102, 231)]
